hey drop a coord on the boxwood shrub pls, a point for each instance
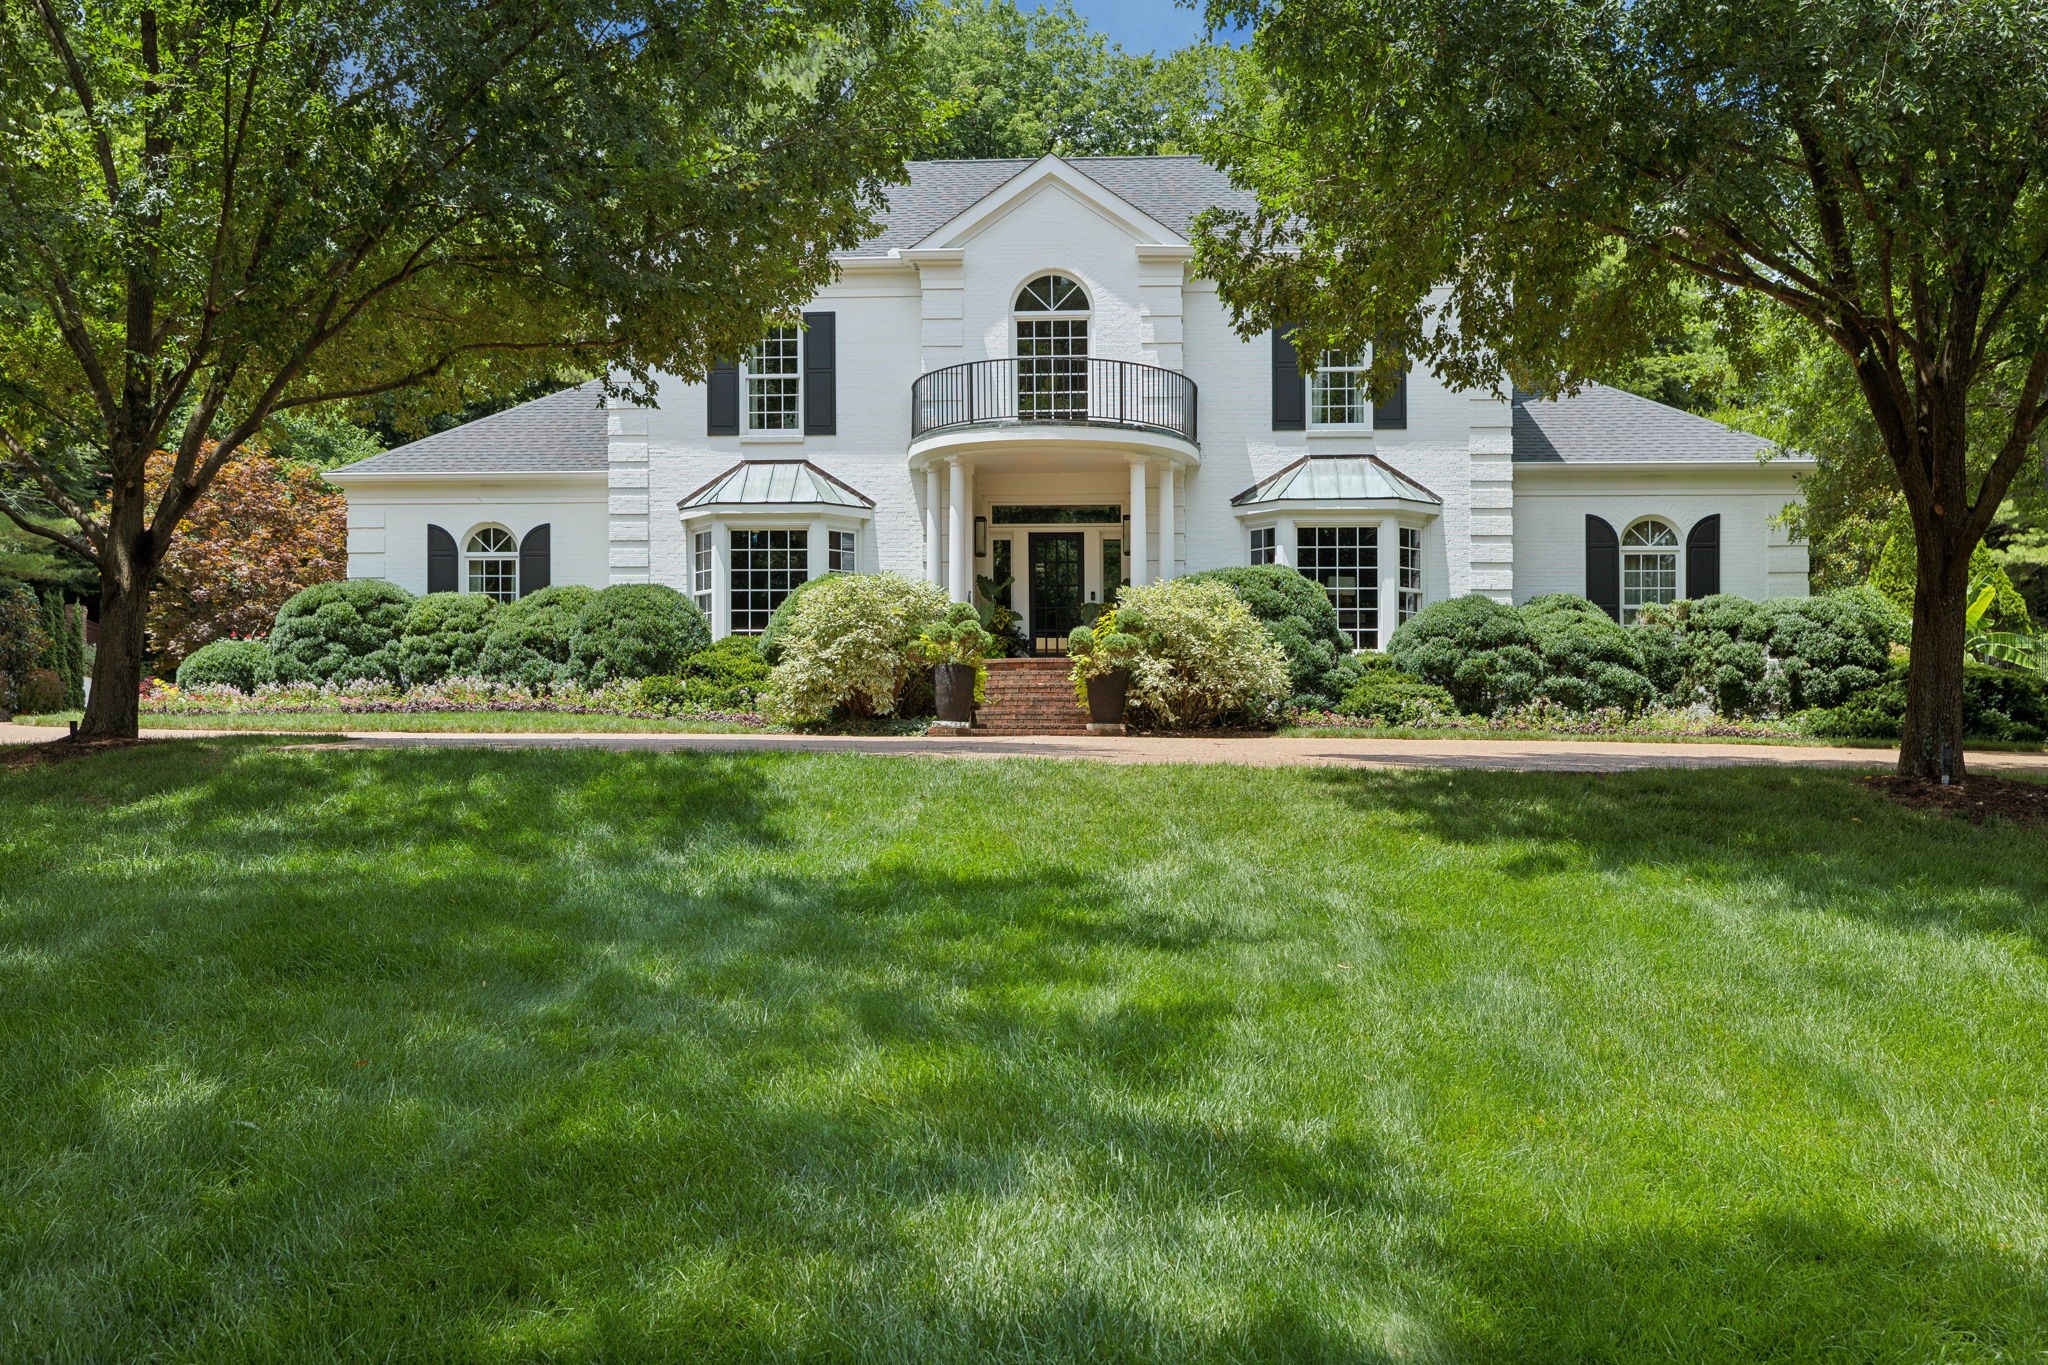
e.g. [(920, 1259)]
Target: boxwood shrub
[(728, 676), (1296, 612), (243, 665), (1998, 703), (345, 631), (443, 636), (635, 630), (1786, 654), (1390, 697), (530, 638), (1590, 662), (1478, 650)]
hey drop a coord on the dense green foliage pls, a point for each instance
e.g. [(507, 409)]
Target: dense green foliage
[(443, 636), (779, 619), (530, 637), (449, 1054), (22, 641), (1391, 697), (635, 630), (243, 665), (1998, 703), (1205, 659), (1865, 173), (340, 631), (217, 216), (63, 625), (1789, 654), (847, 649), (1296, 612), (1895, 575), (728, 676), (1589, 661), (1478, 650)]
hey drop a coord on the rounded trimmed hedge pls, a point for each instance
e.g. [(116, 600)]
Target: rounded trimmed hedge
[(243, 665), (444, 635), (344, 631), (635, 630), (1590, 662), (1478, 650), (530, 638)]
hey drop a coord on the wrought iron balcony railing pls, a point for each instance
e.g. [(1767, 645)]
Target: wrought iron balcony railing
[(1080, 390)]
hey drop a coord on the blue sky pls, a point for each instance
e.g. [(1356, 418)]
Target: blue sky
[(1141, 25)]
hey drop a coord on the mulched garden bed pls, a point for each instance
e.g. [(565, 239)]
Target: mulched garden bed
[(2023, 803), (57, 750)]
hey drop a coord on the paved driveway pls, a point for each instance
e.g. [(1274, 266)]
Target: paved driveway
[(1526, 755)]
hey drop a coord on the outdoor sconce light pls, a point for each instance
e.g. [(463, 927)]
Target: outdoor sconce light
[(981, 537)]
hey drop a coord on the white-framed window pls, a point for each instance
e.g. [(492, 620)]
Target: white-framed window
[(1265, 545), (840, 550), (1345, 560), (772, 382), (766, 567), (491, 558), (1338, 395), (700, 570), (1052, 350), (1411, 572), (1649, 566)]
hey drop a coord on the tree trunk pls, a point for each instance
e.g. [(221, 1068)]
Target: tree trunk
[(111, 711), (1932, 745)]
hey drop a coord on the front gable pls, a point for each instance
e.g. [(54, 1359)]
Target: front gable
[(1051, 174)]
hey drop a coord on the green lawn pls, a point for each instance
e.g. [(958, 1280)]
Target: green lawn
[(560, 1055)]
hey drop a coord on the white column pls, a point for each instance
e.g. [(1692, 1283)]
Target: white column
[(1390, 578), (1139, 527), (721, 581), (1283, 542), (958, 580), (934, 563), (1166, 555), (817, 551), (973, 564)]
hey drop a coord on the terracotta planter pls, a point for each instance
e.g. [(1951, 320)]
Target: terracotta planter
[(954, 684), (1106, 692)]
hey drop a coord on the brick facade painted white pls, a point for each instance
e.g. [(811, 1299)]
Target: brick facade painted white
[(1511, 531)]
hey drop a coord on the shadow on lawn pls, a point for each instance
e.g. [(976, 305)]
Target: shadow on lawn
[(1827, 842), (618, 1064)]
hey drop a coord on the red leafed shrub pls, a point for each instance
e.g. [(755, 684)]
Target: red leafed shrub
[(264, 531)]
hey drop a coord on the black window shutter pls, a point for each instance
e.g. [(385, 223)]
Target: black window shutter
[(1603, 567), (440, 560), (1290, 394), (535, 559), (722, 401), (821, 399), (1703, 558), (1392, 415)]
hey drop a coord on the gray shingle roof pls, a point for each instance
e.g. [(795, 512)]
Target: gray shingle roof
[(1171, 189), (563, 433), (1336, 478), (1600, 425)]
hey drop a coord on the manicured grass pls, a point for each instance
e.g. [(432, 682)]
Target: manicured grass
[(428, 722), (559, 1055)]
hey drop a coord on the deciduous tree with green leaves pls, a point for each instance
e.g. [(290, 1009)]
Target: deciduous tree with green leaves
[(1519, 187), (214, 213)]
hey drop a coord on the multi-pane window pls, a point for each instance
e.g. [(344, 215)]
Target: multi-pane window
[(1345, 560), (839, 551), (1411, 572), (1265, 546), (1649, 567), (766, 567), (700, 570), (1003, 571), (1052, 350), (1338, 395), (493, 561), (1112, 566), (772, 376)]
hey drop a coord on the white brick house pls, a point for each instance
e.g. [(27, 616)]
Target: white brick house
[(1020, 377)]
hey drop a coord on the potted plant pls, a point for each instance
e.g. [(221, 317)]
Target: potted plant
[(955, 646), (1103, 655)]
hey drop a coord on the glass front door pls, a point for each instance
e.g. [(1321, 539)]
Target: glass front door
[(1057, 574)]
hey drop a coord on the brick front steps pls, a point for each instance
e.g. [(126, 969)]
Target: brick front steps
[(1029, 697)]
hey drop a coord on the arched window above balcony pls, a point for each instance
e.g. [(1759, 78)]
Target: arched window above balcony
[(1052, 350)]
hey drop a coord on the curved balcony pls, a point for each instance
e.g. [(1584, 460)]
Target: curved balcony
[(1053, 390)]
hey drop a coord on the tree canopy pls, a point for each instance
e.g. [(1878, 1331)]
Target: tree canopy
[(212, 214), (1528, 188)]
